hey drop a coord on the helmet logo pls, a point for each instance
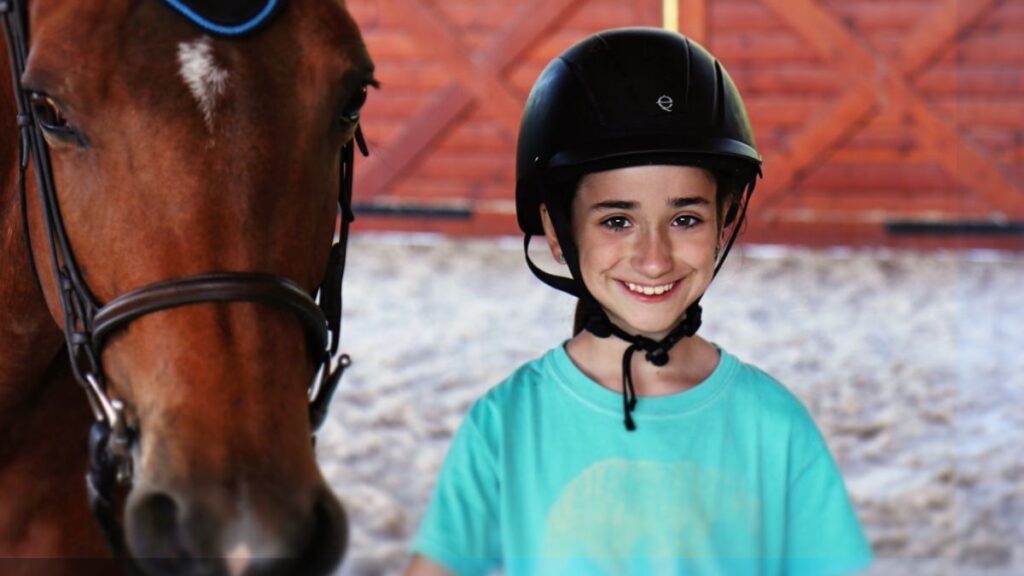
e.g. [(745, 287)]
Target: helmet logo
[(665, 102)]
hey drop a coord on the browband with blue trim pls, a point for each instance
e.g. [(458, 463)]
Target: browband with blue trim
[(227, 17)]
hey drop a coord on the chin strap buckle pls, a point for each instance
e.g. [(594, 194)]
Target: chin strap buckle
[(657, 356)]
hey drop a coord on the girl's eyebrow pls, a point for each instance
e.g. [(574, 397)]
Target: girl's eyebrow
[(689, 201), (630, 205), (615, 205)]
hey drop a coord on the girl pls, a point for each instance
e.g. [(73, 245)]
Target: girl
[(637, 447)]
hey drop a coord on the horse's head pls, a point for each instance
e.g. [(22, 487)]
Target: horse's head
[(177, 153)]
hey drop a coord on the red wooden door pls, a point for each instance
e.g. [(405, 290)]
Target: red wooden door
[(455, 75), (879, 122)]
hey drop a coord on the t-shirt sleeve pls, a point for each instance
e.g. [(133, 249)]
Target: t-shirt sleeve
[(823, 535), (460, 529)]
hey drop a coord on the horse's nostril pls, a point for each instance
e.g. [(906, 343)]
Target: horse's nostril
[(154, 534), (328, 536), (156, 522)]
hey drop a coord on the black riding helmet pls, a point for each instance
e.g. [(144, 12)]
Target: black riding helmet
[(628, 97)]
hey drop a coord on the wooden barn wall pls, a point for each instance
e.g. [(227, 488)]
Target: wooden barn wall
[(896, 122)]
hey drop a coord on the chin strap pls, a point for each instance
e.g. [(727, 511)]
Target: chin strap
[(655, 351)]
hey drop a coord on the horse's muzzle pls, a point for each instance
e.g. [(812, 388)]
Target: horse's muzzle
[(170, 534)]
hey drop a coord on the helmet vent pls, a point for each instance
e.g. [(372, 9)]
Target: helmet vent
[(718, 108), (686, 73)]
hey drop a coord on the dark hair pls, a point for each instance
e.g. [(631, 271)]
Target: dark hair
[(729, 188)]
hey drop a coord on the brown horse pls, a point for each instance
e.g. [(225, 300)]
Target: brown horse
[(175, 153)]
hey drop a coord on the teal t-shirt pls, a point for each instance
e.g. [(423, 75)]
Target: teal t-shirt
[(729, 477)]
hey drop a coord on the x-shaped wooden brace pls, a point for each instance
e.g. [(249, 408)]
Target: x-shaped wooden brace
[(476, 79), (870, 84)]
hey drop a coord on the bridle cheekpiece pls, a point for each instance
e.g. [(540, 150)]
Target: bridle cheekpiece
[(88, 323)]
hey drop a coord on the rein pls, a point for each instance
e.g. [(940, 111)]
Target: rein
[(87, 322)]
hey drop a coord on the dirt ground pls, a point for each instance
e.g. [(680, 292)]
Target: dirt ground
[(909, 361)]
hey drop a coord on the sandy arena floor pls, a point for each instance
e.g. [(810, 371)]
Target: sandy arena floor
[(909, 361)]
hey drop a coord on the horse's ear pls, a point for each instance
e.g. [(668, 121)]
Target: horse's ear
[(227, 17)]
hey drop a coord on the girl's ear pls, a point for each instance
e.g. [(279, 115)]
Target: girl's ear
[(549, 234)]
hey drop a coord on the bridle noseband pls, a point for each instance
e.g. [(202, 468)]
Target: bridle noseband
[(88, 323)]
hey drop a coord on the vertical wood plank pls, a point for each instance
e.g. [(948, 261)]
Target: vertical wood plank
[(649, 12), (693, 19)]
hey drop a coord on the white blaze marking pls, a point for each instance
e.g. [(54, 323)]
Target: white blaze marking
[(238, 559), (202, 76)]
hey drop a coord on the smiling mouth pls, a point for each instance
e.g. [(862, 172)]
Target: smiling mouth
[(649, 290)]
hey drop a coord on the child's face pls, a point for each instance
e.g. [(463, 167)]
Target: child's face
[(647, 238)]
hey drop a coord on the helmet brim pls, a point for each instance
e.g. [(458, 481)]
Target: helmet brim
[(656, 149)]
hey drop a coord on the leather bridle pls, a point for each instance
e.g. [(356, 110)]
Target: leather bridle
[(88, 323)]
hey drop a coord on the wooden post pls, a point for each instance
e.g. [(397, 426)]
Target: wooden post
[(670, 15)]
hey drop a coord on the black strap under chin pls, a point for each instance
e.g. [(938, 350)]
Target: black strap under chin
[(655, 351)]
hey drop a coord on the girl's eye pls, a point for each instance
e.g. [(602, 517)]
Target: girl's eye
[(616, 223), (686, 221)]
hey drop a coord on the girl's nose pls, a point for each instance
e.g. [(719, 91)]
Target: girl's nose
[(653, 254)]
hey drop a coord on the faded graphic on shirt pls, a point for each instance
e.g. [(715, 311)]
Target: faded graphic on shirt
[(624, 516)]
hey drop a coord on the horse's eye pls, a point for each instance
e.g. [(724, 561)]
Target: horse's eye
[(350, 113), (48, 113)]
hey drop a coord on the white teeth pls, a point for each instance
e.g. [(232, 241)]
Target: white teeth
[(649, 290)]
